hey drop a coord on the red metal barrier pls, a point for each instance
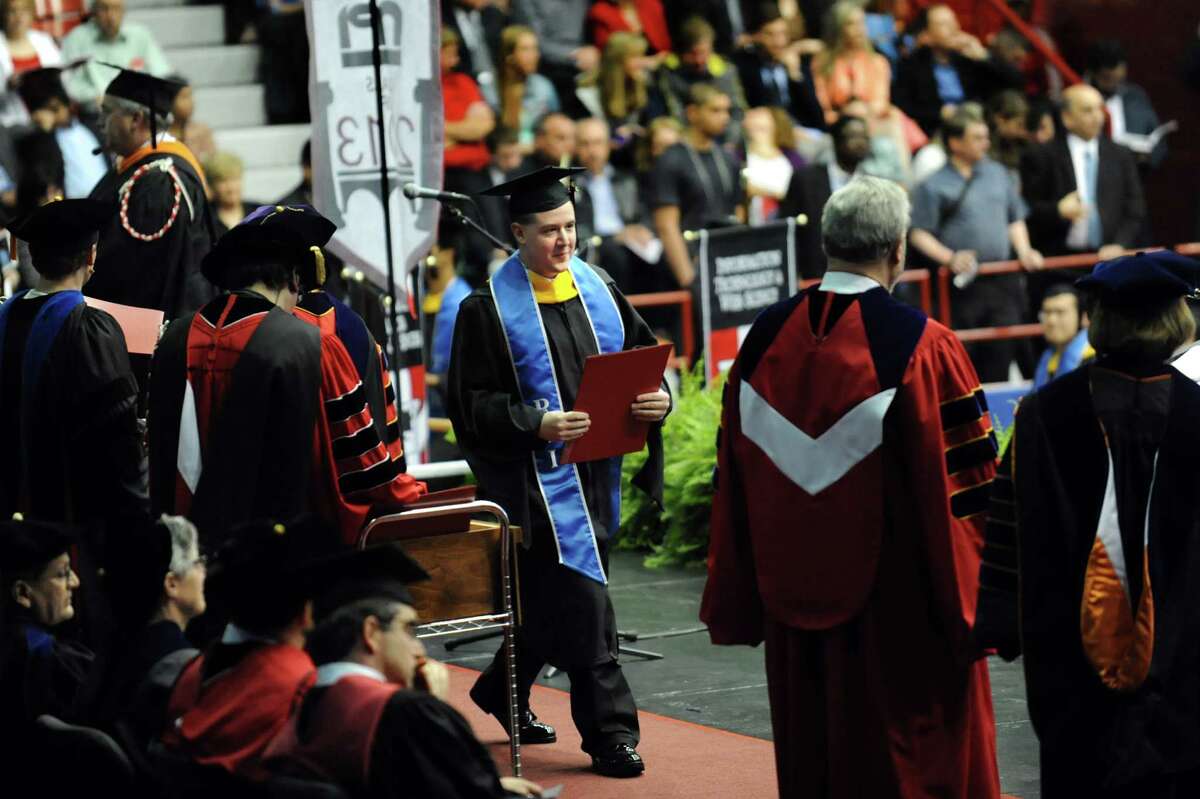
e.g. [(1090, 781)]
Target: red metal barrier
[(1035, 41), (1082, 260)]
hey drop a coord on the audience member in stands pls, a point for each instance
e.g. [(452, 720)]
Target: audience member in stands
[(618, 90), (661, 134), (370, 665), (968, 213), (283, 41), (1006, 115), (643, 17), (950, 68), (231, 700), (108, 38), (478, 24), (881, 29), (695, 183), (521, 96), (39, 672), (468, 122), (889, 156), (771, 162), (1010, 53), (1129, 108), (608, 205), (559, 32), (1083, 190), (52, 111), (727, 17), (196, 135), (278, 422), (225, 171), (774, 71), (695, 62), (1064, 326), (932, 157), (506, 156), (811, 187), (22, 49), (553, 143), (849, 68)]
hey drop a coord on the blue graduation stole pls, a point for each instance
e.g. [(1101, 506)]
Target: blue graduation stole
[(1069, 361), (529, 350), (42, 332), (443, 326)]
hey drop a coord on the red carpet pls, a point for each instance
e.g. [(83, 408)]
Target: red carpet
[(682, 759)]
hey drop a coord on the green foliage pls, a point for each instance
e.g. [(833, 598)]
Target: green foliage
[(679, 533)]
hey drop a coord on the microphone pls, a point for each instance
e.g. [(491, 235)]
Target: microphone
[(413, 192)]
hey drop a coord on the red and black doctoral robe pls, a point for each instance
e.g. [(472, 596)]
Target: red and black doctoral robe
[(377, 739), (230, 702), (256, 415), (855, 459)]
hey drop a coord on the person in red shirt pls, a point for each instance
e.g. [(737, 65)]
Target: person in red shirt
[(469, 121), (646, 17)]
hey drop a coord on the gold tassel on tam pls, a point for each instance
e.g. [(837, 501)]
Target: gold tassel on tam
[(319, 258)]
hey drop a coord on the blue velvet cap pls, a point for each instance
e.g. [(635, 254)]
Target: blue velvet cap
[(1144, 278)]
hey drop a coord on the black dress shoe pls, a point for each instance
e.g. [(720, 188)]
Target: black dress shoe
[(532, 730), (621, 760)]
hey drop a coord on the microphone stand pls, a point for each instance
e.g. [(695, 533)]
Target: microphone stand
[(458, 214)]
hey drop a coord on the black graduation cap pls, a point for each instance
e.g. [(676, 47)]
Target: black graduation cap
[(27, 546), (62, 227), (138, 560), (534, 192), (38, 87), (142, 88), (378, 572), (297, 231), (269, 556), (1144, 278)]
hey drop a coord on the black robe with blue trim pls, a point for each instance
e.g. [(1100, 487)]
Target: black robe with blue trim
[(566, 616)]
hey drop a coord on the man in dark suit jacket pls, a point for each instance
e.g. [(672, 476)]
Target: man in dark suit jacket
[(774, 74), (950, 68), (478, 24), (608, 205), (1064, 216), (810, 189)]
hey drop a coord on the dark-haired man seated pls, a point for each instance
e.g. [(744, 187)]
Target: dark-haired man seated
[(257, 414), (375, 722), (231, 700)]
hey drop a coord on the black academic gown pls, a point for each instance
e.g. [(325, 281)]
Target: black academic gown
[(72, 450), (259, 453), (164, 273), (566, 617), (1096, 741)]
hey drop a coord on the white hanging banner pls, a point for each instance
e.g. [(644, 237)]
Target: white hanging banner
[(346, 152)]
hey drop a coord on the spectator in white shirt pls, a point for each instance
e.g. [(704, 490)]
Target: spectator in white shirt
[(108, 38)]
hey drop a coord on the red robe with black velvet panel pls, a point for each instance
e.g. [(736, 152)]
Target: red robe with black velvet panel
[(853, 549)]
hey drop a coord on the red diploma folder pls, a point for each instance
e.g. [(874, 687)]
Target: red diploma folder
[(140, 325), (609, 386)]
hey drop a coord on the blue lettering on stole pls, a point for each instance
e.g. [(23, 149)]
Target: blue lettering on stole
[(529, 350)]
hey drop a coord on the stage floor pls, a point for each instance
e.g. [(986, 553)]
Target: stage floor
[(725, 687)]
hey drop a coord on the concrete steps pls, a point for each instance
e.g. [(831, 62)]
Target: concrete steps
[(267, 184), (232, 65), (268, 146), (182, 26), (231, 106)]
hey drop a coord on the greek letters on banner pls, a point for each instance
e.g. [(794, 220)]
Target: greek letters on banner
[(742, 271), (347, 153)]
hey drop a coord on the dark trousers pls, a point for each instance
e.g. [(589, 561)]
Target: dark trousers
[(991, 302), (602, 705)]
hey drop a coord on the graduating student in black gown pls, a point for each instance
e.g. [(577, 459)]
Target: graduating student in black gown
[(68, 413), (150, 251), (376, 722), (567, 617), (1092, 562)]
